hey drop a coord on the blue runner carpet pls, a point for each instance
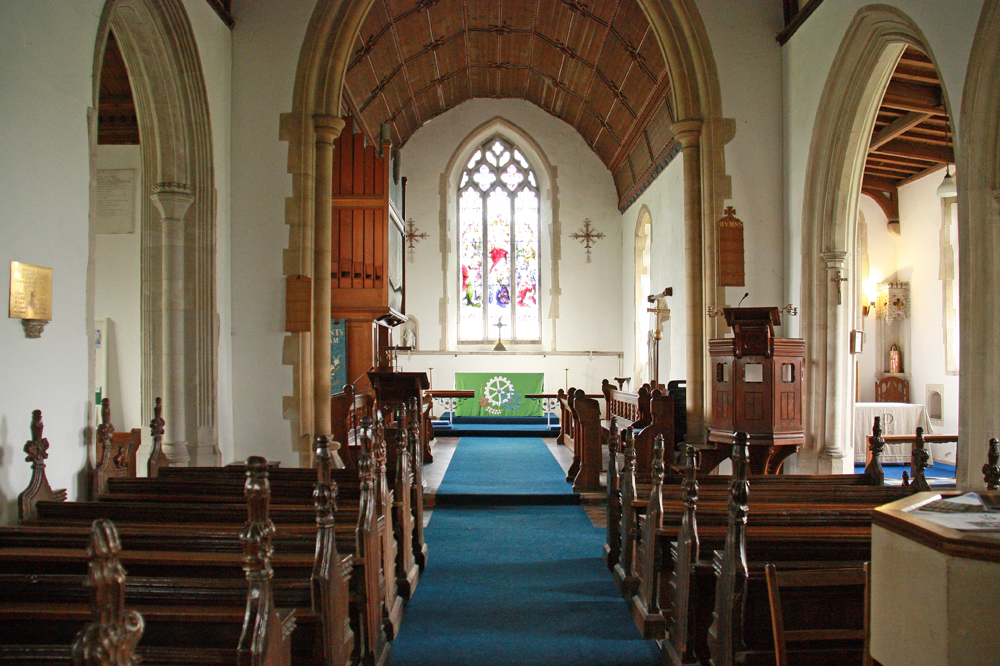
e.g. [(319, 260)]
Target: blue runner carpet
[(509, 585), (504, 470)]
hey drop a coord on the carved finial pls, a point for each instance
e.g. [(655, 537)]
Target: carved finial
[(325, 493), (656, 464), (36, 425), (628, 448), (110, 639), (256, 534), (874, 471), (156, 425), (614, 439), (991, 470), (106, 429), (366, 473), (739, 485), (36, 447), (918, 463)]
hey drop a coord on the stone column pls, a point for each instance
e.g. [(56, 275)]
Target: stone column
[(688, 132), (173, 201), (327, 130), (837, 415)]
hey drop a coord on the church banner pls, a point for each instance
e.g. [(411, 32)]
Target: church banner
[(499, 393)]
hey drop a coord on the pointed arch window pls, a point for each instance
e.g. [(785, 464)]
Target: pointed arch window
[(498, 219)]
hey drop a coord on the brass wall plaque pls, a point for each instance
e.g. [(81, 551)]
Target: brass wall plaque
[(30, 291)]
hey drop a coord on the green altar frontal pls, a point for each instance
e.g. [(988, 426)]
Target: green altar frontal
[(499, 394)]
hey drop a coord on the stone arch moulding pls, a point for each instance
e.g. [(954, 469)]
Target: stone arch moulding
[(642, 252), (695, 98), (548, 188), (978, 158), (868, 54), (179, 334)]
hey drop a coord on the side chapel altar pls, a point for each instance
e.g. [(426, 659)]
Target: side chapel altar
[(756, 389)]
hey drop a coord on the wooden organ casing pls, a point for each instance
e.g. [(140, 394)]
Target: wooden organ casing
[(367, 248)]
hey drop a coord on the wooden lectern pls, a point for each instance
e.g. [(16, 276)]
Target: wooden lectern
[(756, 389), (399, 388)]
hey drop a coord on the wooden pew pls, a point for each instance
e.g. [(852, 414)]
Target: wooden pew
[(580, 428), (651, 412), (205, 493), (194, 610), (313, 575), (740, 629), (38, 489), (815, 521), (873, 476), (115, 452)]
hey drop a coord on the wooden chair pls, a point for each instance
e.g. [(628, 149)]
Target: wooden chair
[(892, 389), (832, 627)]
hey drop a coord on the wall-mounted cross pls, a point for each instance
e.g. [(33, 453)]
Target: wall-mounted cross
[(587, 236), (838, 280), (412, 237)]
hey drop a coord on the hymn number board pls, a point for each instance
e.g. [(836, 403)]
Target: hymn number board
[(757, 388)]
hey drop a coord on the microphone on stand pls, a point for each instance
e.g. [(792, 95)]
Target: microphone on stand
[(743, 299)]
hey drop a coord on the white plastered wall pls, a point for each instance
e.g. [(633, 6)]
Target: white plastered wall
[(665, 201), (588, 293), (267, 39), (46, 89), (749, 64)]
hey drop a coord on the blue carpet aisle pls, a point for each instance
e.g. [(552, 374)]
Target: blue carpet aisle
[(520, 584)]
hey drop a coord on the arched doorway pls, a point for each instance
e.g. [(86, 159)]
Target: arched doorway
[(176, 218), (864, 64)]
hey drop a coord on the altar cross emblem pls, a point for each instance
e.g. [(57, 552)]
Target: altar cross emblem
[(499, 345), (587, 236), (412, 237)]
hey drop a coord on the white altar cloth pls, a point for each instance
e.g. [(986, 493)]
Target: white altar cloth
[(898, 418)]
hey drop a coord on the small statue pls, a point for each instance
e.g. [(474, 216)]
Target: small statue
[(895, 360)]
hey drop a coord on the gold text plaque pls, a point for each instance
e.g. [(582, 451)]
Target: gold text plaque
[(30, 291)]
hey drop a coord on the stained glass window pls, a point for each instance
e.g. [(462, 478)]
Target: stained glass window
[(498, 245)]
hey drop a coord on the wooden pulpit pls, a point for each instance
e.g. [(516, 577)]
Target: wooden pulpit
[(756, 389)]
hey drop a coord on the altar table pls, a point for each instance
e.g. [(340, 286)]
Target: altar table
[(898, 418)]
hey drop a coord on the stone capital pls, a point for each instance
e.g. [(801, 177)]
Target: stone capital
[(327, 128), (688, 132), (835, 259), (172, 199)]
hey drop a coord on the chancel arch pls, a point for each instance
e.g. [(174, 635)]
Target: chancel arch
[(862, 69), (330, 44), (978, 163), (176, 217)]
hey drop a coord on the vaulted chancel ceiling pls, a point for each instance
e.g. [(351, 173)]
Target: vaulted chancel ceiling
[(596, 65)]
